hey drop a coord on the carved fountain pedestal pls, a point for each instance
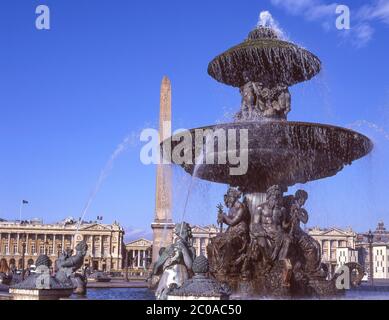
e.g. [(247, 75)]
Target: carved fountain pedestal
[(41, 285)]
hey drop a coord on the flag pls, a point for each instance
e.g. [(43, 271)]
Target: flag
[(25, 202)]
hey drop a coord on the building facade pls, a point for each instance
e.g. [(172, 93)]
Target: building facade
[(380, 242), (139, 256), (105, 242), (380, 263), (346, 255), (330, 241), (201, 237)]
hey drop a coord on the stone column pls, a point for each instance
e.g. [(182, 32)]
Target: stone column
[(45, 246), (144, 259), (133, 259), (17, 243), (93, 246), (9, 243), (110, 245), (101, 246), (54, 246), (28, 251), (63, 242), (198, 246), (163, 224)]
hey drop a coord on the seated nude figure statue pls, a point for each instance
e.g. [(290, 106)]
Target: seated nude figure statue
[(269, 241), (226, 250)]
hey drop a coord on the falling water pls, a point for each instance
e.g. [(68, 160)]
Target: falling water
[(128, 141), (370, 125)]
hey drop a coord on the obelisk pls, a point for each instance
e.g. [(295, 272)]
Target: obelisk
[(163, 223)]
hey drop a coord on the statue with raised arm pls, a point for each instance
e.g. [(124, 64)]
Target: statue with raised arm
[(174, 265), (68, 264), (226, 251), (308, 249)]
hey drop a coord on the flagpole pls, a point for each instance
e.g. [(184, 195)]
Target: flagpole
[(20, 211)]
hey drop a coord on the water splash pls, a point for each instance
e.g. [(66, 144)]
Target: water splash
[(370, 125), (199, 161), (266, 20), (121, 148)]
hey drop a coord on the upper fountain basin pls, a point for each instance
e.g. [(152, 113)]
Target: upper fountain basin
[(264, 58), (281, 153)]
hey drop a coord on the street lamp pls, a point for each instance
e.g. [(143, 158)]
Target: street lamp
[(126, 265), (370, 240)]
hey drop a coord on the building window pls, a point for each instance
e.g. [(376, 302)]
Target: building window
[(50, 250), (6, 248), (33, 249), (41, 249)]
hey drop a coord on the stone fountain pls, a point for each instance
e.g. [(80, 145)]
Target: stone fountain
[(264, 251)]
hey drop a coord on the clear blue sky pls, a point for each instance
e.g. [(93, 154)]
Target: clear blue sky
[(70, 95)]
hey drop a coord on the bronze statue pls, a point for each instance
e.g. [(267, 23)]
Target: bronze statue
[(268, 240), (226, 251), (259, 102), (68, 264), (174, 265), (309, 247)]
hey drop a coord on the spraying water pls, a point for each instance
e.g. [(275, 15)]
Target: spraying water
[(127, 142), (267, 20), (370, 125)]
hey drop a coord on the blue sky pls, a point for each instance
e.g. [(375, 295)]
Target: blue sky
[(70, 95)]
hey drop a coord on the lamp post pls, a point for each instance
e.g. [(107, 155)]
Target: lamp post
[(126, 265), (370, 239)]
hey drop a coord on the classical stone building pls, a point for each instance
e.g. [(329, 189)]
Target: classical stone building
[(380, 243), (330, 241), (139, 255), (345, 255), (201, 237), (105, 242)]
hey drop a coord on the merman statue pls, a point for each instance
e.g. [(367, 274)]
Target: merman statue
[(67, 265)]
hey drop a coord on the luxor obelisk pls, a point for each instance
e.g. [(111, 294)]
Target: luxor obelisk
[(163, 223)]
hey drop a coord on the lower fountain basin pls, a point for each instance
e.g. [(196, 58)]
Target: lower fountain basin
[(280, 153)]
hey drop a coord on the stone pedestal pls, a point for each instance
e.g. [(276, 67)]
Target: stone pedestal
[(40, 294), (163, 237), (201, 286)]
